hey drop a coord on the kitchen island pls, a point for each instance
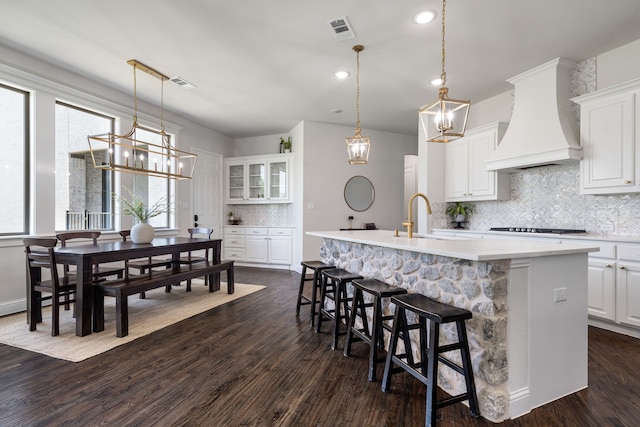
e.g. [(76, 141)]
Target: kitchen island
[(528, 335)]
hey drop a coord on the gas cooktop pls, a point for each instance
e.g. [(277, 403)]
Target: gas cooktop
[(538, 230)]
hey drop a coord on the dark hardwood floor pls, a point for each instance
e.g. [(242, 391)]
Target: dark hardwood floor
[(253, 363)]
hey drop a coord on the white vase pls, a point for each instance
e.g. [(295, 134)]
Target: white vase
[(142, 233), (460, 218)]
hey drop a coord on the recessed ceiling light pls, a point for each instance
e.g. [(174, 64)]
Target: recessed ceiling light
[(342, 74), (424, 17), (336, 110), (436, 82)]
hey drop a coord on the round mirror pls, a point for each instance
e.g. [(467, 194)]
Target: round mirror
[(359, 193)]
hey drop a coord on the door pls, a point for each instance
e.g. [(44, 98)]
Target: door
[(207, 192)]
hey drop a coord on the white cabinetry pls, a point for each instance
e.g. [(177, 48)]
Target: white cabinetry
[(259, 245), (610, 140), (234, 243), (601, 282), (258, 179), (256, 247), (628, 280), (466, 175)]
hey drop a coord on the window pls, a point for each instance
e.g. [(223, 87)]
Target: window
[(14, 164), (152, 189), (83, 193)]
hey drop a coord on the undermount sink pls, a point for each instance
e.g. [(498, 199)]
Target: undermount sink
[(435, 237)]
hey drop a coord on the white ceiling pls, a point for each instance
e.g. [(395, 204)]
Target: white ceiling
[(261, 67)]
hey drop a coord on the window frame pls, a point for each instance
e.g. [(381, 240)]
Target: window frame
[(170, 186), (26, 196), (112, 179)]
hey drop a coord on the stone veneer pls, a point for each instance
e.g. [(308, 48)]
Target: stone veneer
[(480, 287)]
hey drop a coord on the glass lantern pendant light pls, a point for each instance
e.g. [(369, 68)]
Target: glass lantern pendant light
[(358, 146), (445, 119), (128, 153)]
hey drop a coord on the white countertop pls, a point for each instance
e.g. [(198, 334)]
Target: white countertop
[(475, 249), (570, 236)]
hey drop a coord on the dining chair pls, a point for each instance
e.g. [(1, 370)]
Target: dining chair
[(192, 258), (40, 255), (99, 272), (143, 265)]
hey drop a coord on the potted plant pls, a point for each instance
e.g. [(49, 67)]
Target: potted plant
[(460, 211), (285, 145), (230, 215), (142, 232)]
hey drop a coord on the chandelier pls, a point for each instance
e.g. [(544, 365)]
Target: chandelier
[(358, 145), (445, 119), (127, 153)]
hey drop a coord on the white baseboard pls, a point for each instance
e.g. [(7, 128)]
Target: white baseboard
[(614, 327), (11, 307)]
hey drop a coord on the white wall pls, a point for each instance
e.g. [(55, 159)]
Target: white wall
[(49, 83), (326, 171), (266, 144), (618, 65)]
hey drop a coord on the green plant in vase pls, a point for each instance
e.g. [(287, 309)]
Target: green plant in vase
[(142, 232), (460, 212)]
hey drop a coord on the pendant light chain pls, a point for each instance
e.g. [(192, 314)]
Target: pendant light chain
[(357, 88), (135, 96), (443, 75), (162, 105)]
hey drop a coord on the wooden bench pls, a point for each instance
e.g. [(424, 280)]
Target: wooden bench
[(122, 288)]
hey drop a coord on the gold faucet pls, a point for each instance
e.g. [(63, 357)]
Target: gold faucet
[(409, 222)]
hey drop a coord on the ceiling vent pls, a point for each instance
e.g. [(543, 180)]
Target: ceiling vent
[(342, 28), (182, 82)]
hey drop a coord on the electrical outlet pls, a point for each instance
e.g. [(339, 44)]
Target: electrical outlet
[(559, 294)]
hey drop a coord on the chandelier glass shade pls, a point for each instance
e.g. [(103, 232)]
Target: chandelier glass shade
[(445, 119), (358, 146), (127, 153)]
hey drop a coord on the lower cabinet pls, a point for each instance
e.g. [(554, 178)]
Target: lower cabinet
[(628, 282), (602, 289), (260, 245)]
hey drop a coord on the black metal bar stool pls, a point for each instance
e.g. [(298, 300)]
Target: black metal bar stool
[(334, 287), (426, 370), (317, 267), (373, 336)]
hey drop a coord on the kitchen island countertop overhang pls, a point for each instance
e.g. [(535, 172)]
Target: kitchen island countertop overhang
[(528, 347), (464, 248)]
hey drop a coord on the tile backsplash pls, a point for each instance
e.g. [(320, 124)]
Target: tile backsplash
[(272, 215), (549, 197)]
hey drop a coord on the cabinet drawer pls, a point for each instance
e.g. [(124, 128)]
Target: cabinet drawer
[(629, 253), (236, 254), (280, 232), (233, 241), (257, 231), (232, 231), (607, 250)]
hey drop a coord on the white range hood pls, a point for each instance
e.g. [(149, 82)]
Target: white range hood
[(543, 129)]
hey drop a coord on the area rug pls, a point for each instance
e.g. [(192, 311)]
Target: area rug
[(158, 310)]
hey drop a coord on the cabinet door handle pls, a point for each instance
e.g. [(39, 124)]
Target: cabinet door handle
[(627, 181), (622, 267), (607, 266)]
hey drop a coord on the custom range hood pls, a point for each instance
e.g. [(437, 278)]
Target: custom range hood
[(543, 129)]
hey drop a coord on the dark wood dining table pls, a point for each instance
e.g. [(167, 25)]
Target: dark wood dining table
[(86, 255)]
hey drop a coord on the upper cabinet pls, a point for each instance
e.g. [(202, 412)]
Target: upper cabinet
[(258, 179), (466, 176), (610, 139)]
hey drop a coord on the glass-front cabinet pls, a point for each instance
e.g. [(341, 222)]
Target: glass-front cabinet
[(235, 179), (279, 180), (258, 179)]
